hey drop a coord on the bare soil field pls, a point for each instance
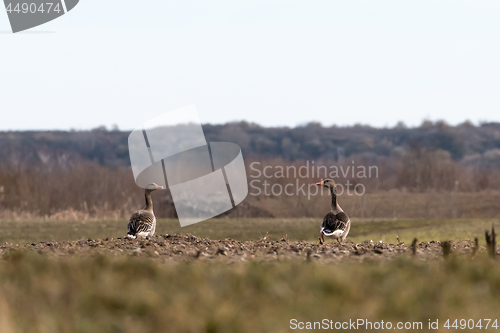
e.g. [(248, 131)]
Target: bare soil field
[(186, 247)]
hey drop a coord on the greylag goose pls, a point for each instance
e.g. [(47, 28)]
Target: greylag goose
[(143, 222), (336, 224)]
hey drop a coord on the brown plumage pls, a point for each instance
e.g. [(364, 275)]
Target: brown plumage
[(336, 224), (143, 222)]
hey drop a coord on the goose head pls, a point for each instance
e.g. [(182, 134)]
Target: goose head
[(328, 183), (153, 187)]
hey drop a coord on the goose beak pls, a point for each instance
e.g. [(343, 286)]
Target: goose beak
[(320, 183), (159, 187)]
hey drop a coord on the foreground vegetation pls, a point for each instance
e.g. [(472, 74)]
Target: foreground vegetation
[(125, 294), (389, 231), (102, 286)]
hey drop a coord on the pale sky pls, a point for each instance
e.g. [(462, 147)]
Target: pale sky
[(271, 62)]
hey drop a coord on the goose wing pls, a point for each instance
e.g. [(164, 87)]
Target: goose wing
[(140, 221), (333, 222)]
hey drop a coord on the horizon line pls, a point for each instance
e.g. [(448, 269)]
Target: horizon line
[(399, 124)]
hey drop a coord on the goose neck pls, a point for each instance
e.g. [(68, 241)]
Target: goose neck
[(334, 198), (149, 201)]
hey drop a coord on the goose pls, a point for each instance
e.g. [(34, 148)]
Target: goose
[(336, 224), (143, 222)]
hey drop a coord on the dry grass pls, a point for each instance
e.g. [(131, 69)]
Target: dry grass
[(395, 204), (83, 190)]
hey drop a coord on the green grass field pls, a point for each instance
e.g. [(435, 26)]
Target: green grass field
[(22, 232)]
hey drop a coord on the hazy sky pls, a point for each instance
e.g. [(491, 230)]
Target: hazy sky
[(271, 62)]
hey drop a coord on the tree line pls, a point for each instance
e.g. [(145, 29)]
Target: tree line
[(467, 143)]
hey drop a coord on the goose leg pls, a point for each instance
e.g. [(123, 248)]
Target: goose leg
[(321, 239)]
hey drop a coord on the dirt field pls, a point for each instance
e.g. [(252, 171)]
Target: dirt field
[(185, 247)]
